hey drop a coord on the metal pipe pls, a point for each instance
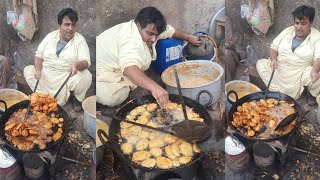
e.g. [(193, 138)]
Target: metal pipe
[(304, 151), (75, 161)]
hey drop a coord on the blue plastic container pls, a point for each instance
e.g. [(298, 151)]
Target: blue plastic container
[(169, 52)]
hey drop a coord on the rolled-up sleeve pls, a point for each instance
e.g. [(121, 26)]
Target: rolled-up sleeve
[(168, 33), (83, 51), (129, 53)]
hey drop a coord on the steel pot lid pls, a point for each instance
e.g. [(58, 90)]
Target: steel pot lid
[(233, 146), (6, 159)]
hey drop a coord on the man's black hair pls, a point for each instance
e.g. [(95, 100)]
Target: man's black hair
[(70, 13), (304, 11), (149, 15)]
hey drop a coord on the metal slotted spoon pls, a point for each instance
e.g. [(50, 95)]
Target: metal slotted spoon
[(190, 130)]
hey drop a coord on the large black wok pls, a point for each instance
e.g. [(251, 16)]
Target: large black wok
[(114, 129), (67, 123), (258, 96)]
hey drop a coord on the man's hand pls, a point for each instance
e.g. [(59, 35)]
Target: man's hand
[(194, 40), (161, 95), (74, 69), (37, 75), (274, 64), (314, 75), (137, 76)]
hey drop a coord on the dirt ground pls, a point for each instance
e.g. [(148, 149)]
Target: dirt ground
[(298, 165)]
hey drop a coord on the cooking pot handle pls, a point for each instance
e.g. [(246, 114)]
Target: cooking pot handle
[(305, 116), (210, 97), (100, 133), (228, 97), (5, 105)]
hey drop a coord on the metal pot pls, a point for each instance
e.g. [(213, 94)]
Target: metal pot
[(258, 96), (241, 87), (192, 72), (11, 96), (67, 126), (113, 138), (89, 112)]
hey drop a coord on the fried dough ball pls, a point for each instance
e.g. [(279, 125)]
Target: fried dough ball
[(140, 109), (149, 163), (151, 107), (124, 125), (57, 136), (169, 139), (142, 144), (130, 117), (163, 163), (126, 148), (195, 148), (25, 133), (169, 153), (153, 135), (47, 125), (134, 113), (145, 114), (133, 139), (250, 132), (172, 105), (135, 129), (60, 130), (175, 149), (125, 132), (152, 124), (175, 163), (184, 159), (156, 143), (55, 120), (31, 131), (143, 120), (272, 123), (144, 135), (156, 152), (186, 149), (140, 155)]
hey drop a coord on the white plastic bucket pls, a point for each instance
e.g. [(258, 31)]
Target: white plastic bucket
[(89, 108), (11, 97), (242, 88), (195, 77)]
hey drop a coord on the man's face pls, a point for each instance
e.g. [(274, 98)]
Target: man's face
[(67, 29), (149, 34), (302, 27)]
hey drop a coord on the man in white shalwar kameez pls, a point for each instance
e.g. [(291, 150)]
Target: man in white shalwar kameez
[(62, 52), (126, 50), (295, 54)]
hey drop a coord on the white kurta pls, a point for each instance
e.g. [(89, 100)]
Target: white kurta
[(117, 48), (294, 67), (55, 70)]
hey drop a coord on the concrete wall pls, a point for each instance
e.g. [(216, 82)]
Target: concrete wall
[(283, 19), (47, 16), (187, 15), (96, 16)]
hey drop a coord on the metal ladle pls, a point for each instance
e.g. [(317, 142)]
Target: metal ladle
[(190, 130)]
